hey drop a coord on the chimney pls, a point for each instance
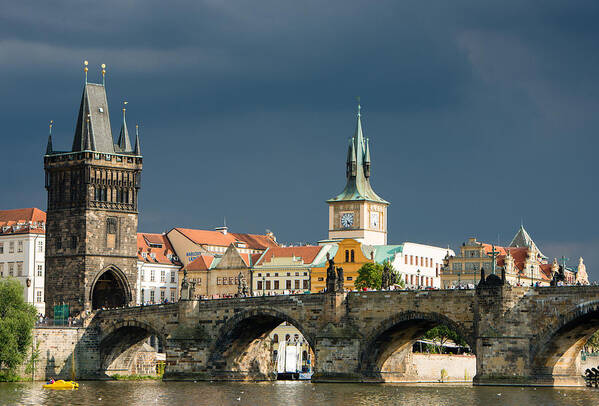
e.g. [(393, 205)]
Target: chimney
[(222, 229)]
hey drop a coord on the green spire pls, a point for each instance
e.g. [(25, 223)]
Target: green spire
[(358, 169)]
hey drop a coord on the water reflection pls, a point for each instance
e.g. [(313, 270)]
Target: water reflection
[(289, 393)]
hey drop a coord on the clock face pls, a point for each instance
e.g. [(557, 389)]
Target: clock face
[(347, 220), (374, 220)]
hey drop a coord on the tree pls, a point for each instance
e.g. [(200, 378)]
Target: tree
[(593, 342), (370, 276), (17, 319), (440, 335)]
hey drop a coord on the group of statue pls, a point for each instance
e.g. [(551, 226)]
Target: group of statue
[(335, 278)]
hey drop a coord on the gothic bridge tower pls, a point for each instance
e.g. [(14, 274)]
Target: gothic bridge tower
[(91, 235)]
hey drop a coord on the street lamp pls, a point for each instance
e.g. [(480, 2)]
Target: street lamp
[(263, 286), (418, 278), (532, 278), (459, 278)]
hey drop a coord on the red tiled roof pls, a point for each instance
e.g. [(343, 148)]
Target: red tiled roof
[(201, 263), (308, 253), (22, 221), (217, 238), (546, 271), (161, 254)]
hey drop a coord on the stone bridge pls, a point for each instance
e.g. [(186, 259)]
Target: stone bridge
[(523, 336)]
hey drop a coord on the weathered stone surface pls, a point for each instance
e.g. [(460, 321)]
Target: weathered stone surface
[(520, 336)]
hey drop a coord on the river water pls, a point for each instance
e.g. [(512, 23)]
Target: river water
[(150, 393)]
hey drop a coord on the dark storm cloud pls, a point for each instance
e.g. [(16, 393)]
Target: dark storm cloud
[(479, 113)]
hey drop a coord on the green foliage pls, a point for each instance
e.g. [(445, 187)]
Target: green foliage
[(17, 319), (440, 335), (593, 342), (370, 276)]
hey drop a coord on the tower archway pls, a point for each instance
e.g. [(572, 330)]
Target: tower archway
[(110, 289)]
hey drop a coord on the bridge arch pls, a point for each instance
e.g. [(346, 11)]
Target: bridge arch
[(120, 343), (555, 351), (396, 334), (239, 351), (110, 289)]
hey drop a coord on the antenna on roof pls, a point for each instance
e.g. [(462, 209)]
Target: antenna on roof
[(225, 221), (359, 107), (85, 63), (51, 123), (103, 74)]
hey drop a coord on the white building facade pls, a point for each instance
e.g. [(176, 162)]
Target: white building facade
[(157, 270), (420, 265), (22, 249)]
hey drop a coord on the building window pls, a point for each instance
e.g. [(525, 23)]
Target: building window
[(267, 285), (411, 260), (287, 337), (40, 246), (353, 258), (11, 247), (259, 285), (346, 255), (142, 296), (276, 274), (320, 279), (11, 269), (111, 229), (19, 269), (38, 296), (163, 276), (275, 338), (20, 246), (224, 281), (350, 278), (306, 284), (40, 270), (172, 276), (162, 295), (73, 242), (1, 248), (1, 270), (141, 275), (152, 275), (173, 295), (288, 273), (276, 284), (305, 273), (218, 281), (288, 284), (296, 284), (152, 296)]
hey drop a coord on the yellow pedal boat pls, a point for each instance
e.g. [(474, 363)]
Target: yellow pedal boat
[(60, 384)]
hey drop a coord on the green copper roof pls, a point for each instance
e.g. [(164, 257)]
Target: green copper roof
[(358, 170), (383, 253)]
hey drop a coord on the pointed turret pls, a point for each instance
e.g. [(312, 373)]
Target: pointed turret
[(94, 106), (523, 239), (137, 150), (358, 169), (49, 146), (87, 144), (124, 143), (367, 160)]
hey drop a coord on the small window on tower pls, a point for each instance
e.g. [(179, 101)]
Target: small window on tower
[(111, 228)]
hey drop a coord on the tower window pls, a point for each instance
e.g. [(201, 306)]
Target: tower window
[(73, 242), (353, 259), (346, 255), (111, 229)]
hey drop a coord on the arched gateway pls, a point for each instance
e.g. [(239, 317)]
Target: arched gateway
[(110, 289)]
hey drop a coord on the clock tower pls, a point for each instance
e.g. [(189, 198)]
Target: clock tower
[(358, 212)]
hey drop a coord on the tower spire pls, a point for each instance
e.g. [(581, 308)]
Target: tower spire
[(49, 146), (137, 144), (88, 139), (103, 74), (124, 143)]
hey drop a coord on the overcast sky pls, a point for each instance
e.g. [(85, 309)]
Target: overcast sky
[(479, 116)]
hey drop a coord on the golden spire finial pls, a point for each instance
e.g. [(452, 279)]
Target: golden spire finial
[(51, 123), (85, 63), (103, 74)]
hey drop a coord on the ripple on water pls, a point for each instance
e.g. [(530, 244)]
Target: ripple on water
[(289, 393)]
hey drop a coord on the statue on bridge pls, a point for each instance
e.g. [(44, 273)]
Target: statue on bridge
[(558, 277), (185, 287), (242, 286), (340, 279), (331, 284), (386, 278)]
